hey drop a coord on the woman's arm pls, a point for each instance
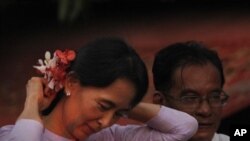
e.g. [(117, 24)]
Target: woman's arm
[(23, 130), (143, 112), (37, 99), (31, 106), (29, 126), (162, 123), (174, 123)]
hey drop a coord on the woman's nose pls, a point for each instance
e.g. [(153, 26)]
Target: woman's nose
[(106, 120)]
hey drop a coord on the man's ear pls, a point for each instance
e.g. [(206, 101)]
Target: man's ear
[(158, 98)]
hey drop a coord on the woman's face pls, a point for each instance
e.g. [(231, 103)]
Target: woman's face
[(89, 109)]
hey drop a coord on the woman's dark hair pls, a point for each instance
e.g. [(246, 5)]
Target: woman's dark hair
[(179, 55), (105, 60)]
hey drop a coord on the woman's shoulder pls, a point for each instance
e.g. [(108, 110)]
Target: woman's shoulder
[(24, 129), (6, 128), (5, 131)]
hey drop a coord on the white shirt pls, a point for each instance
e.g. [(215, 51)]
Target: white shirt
[(220, 137)]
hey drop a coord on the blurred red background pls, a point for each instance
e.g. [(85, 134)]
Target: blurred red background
[(225, 29)]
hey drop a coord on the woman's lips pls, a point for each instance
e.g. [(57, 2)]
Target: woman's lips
[(89, 130)]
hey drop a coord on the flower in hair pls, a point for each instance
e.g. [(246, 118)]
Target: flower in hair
[(54, 69)]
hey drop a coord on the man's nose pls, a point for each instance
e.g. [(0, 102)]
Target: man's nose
[(204, 109)]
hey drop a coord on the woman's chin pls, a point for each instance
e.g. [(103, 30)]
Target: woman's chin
[(81, 135)]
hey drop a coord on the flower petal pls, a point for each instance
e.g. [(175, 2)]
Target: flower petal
[(59, 53), (47, 55), (51, 84), (40, 61), (42, 69), (71, 55)]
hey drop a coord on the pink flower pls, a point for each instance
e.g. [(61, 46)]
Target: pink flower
[(54, 69), (66, 56)]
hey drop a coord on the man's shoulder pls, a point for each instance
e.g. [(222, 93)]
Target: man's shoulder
[(220, 137)]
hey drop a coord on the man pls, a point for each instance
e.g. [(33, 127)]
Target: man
[(189, 77)]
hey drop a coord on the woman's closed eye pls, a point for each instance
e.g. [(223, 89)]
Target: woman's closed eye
[(104, 106)]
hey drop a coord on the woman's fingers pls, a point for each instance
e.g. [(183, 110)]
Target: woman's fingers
[(34, 87), (38, 91)]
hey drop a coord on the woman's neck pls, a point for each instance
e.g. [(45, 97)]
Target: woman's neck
[(54, 121)]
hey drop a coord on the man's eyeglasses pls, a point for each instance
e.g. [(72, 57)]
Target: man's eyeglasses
[(191, 100)]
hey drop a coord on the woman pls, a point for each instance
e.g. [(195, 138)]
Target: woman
[(104, 81)]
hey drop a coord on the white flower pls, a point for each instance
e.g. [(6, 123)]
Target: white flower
[(53, 69), (46, 66), (41, 68)]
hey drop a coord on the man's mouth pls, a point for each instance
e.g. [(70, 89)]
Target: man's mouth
[(205, 125)]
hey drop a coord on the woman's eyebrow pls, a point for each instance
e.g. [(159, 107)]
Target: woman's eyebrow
[(112, 104)]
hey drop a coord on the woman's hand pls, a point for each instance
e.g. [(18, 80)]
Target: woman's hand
[(144, 111), (37, 99)]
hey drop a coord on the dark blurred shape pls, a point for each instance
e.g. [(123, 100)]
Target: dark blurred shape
[(16, 14), (241, 117)]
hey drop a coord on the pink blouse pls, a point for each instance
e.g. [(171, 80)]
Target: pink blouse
[(167, 125)]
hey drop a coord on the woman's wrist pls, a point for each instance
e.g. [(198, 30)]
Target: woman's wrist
[(31, 109), (144, 111)]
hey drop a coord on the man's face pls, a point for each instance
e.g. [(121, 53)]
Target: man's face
[(198, 81)]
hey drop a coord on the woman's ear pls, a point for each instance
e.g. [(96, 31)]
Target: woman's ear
[(70, 82), (158, 98)]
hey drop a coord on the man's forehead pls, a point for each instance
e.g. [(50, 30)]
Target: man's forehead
[(196, 78)]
